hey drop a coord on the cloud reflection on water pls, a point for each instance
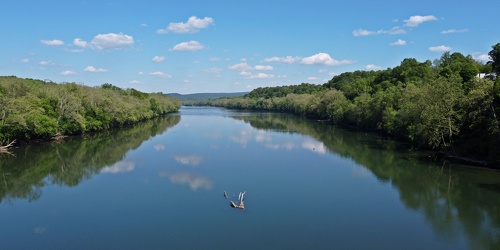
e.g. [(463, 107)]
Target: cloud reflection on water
[(315, 146), (242, 138), (192, 160), (286, 145), (262, 136), (159, 147), (267, 140), (39, 230), (120, 167), (194, 181)]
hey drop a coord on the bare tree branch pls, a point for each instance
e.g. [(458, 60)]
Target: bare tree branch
[(5, 149), (241, 200)]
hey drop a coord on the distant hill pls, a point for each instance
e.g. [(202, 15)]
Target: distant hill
[(204, 96)]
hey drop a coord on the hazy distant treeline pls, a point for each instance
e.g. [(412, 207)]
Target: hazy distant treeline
[(34, 109), (441, 104)]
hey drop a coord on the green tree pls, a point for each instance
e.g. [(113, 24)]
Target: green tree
[(495, 58), (412, 71), (442, 114), (336, 105), (33, 109), (456, 63)]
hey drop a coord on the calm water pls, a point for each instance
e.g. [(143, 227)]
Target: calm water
[(160, 184)]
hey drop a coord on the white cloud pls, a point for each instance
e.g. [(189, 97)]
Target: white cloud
[(263, 67), (373, 67), (188, 46), (112, 41), (74, 50), (158, 59), (160, 74), (94, 69), (213, 70), (240, 67), (415, 21), (393, 31), (441, 48), (80, 43), (193, 25), (483, 58), (246, 73), (243, 67), (46, 63), (450, 31), (362, 32), (135, 82), (52, 42), (399, 42), (287, 59), (324, 59), (25, 60), (214, 59), (260, 76), (68, 73)]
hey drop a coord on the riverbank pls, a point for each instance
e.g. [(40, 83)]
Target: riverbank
[(40, 110), (434, 107)]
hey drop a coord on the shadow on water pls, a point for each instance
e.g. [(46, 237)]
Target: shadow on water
[(71, 160), (454, 198)]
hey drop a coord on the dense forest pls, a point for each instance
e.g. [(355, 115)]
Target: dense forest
[(445, 105), (34, 109)]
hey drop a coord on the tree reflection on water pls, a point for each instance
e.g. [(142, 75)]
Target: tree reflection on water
[(454, 198), (74, 159)]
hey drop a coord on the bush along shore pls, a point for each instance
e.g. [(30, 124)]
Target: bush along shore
[(40, 110), (451, 105)]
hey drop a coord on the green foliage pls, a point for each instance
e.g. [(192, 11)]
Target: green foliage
[(352, 84), (456, 63), (412, 71), (34, 109), (138, 94), (283, 91), (440, 107), (495, 58)]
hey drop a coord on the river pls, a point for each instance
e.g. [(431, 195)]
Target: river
[(308, 185)]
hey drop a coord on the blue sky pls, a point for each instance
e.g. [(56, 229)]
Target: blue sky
[(231, 46)]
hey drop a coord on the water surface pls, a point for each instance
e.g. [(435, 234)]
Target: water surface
[(159, 185)]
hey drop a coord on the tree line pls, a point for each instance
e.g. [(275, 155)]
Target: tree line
[(441, 105), (35, 109)]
